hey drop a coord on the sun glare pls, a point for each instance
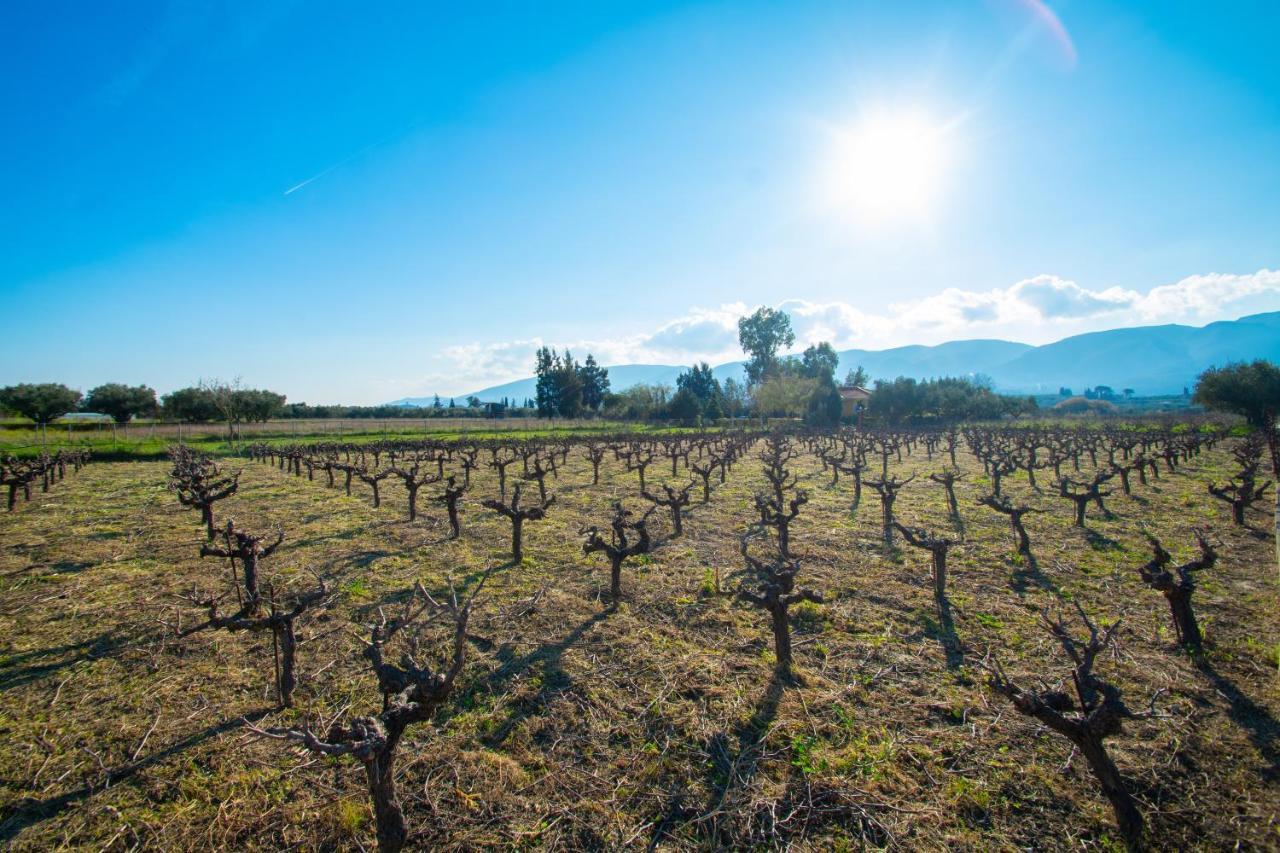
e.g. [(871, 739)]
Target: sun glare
[(887, 167)]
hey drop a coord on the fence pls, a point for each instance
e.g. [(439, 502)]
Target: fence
[(27, 435)]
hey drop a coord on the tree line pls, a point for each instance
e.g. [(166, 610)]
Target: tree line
[(800, 386), (45, 402), (779, 386)]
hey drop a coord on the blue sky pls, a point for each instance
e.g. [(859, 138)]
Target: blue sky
[(356, 203)]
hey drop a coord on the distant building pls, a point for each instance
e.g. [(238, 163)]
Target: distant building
[(852, 398)]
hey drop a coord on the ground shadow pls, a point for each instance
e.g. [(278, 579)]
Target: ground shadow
[(1099, 542), (675, 812), (550, 657), (734, 755), (946, 633), (365, 559), (401, 597), (62, 567), (103, 645), (1022, 577), (1262, 533), (472, 577), (1262, 728), (28, 812)]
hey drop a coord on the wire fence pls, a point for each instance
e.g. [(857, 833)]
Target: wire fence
[(27, 436)]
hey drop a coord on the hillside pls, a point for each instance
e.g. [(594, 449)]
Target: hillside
[(1149, 359)]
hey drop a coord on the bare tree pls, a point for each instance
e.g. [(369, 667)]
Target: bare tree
[(452, 496), (937, 546), (411, 693), (675, 502), (413, 481), (638, 460), (619, 546), (853, 468), (1239, 493), (595, 452), (1094, 713), (1177, 584), (499, 463), (1015, 513), (199, 484), (779, 516), (888, 488), (705, 470), (537, 474), (279, 620), (1082, 495), (1000, 467), (775, 592), (776, 509), (248, 549), (1123, 470), (468, 458), (518, 515), (947, 478)]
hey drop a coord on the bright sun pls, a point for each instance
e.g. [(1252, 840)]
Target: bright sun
[(887, 167)]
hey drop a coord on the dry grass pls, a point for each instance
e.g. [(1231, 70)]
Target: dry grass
[(659, 723)]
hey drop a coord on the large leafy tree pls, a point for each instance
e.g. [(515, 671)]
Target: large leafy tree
[(559, 388), (1251, 389), (257, 404), (595, 383), (825, 405), (41, 403), (544, 396), (733, 398), (121, 402), (784, 395), (761, 335), (565, 388), (819, 362), (685, 406), (638, 402), (947, 399), (192, 405), (568, 387), (703, 387), (858, 377)]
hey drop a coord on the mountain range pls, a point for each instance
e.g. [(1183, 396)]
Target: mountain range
[(1151, 360)]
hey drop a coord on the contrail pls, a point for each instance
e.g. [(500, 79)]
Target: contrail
[(318, 175)]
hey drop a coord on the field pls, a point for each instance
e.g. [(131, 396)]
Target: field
[(661, 723), (151, 440)]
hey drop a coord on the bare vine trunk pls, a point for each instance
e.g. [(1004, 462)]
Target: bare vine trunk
[(288, 640), (781, 639), (1108, 775), (615, 579), (387, 814)]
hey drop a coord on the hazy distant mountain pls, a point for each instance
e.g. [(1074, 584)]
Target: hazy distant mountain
[(621, 376), (1148, 359)]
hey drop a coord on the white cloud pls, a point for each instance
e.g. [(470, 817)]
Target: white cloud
[(698, 332), (1054, 297), (1210, 297), (1035, 310)]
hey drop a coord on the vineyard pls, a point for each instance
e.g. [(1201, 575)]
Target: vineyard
[(977, 637)]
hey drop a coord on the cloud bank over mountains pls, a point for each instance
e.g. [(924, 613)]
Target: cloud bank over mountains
[(1035, 310)]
